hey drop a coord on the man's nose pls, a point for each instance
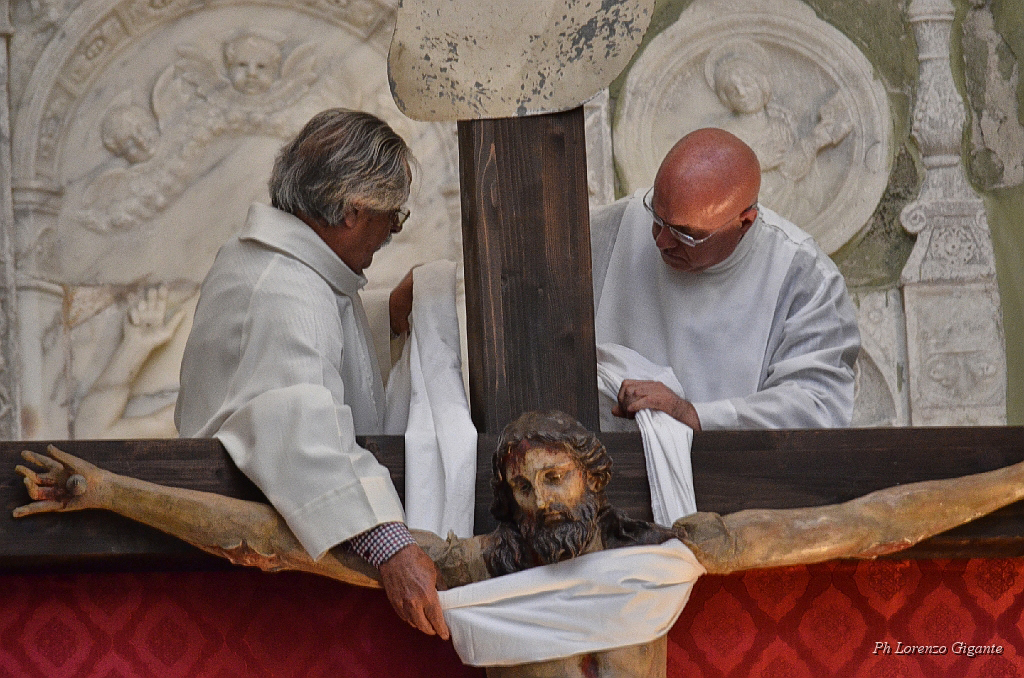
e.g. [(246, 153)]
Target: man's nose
[(665, 240), (543, 498)]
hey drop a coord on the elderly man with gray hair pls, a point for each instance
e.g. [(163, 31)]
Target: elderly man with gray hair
[(280, 366)]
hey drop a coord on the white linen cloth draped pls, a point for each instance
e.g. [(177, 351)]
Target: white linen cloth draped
[(427, 402), (667, 440), (592, 603)]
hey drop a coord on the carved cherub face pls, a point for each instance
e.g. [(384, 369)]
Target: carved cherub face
[(253, 63), (742, 86), (131, 133)]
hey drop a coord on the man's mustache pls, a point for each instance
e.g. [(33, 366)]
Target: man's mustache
[(559, 513)]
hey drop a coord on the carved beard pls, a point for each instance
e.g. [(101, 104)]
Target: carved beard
[(560, 532)]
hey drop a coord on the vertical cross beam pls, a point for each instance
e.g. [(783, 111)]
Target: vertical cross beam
[(526, 243)]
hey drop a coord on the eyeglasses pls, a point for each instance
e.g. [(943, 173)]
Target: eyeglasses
[(399, 216), (684, 238)]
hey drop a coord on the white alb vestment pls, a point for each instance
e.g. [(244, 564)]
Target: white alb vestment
[(280, 368), (765, 339)]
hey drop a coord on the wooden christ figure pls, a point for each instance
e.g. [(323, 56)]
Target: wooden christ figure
[(549, 477)]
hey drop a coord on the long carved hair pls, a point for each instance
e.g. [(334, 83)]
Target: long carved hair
[(550, 427), (510, 551)]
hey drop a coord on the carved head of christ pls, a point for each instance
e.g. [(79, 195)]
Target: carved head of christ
[(549, 480)]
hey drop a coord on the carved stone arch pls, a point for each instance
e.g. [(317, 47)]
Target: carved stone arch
[(97, 31), (115, 53)]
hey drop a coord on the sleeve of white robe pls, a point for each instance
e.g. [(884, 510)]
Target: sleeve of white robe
[(812, 347), (289, 430)]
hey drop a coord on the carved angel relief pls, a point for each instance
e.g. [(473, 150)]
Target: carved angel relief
[(196, 100)]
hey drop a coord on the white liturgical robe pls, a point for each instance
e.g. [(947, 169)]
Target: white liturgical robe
[(280, 368), (765, 339)]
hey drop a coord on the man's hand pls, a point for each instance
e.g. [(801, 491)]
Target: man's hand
[(400, 305), (411, 581), (636, 395)]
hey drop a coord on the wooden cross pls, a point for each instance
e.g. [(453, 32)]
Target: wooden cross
[(531, 336)]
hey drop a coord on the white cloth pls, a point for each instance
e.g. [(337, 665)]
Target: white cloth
[(667, 440), (427, 401), (595, 602), (765, 339), (279, 367)]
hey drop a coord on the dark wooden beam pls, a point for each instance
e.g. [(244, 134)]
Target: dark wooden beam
[(733, 470), (526, 243)]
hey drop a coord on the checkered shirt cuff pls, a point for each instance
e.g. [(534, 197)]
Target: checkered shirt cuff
[(378, 544)]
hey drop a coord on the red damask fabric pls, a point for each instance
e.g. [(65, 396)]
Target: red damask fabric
[(834, 619)]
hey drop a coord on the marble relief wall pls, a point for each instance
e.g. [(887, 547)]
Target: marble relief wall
[(141, 130)]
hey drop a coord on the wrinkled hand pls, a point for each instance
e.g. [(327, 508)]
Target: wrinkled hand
[(400, 305), (411, 580), (145, 323), (636, 395), (61, 487)]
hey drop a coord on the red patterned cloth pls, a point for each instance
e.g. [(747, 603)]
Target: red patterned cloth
[(798, 622)]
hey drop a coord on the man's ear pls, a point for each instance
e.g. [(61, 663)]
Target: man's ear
[(594, 483), (349, 220)]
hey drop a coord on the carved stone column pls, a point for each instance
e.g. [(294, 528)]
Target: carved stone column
[(955, 341), (10, 428)]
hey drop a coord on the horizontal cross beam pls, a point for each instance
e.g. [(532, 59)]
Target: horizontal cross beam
[(733, 470)]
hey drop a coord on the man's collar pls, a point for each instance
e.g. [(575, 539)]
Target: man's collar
[(741, 250), (292, 236)]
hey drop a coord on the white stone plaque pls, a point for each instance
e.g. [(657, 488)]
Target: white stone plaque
[(790, 85)]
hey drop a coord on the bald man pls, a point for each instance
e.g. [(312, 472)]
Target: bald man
[(750, 314)]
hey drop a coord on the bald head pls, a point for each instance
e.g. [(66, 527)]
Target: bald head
[(704, 186), (711, 167)]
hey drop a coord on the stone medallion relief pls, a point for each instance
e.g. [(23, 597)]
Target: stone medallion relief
[(146, 129), (790, 85)]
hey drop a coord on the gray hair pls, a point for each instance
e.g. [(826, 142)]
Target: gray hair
[(340, 159)]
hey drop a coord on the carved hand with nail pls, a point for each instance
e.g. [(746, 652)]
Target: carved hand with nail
[(61, 486)]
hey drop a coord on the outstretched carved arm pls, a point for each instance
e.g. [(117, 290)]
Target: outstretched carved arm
[(244, 532), (878, 523)]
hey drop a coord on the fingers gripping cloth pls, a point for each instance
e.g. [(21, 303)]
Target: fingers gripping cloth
[(667, 441)]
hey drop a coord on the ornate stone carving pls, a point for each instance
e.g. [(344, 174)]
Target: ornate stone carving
[(147, 128), (957, 359), (785, 82), (882, 397), (955, 339), (195, 102)]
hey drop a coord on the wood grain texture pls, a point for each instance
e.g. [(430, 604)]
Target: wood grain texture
[(733, 470), (526, 244)]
